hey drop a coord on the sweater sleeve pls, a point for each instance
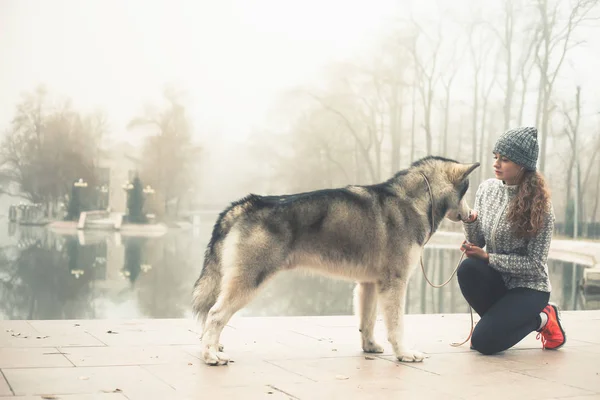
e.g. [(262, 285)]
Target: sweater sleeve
[(533, 263), (473, 230)]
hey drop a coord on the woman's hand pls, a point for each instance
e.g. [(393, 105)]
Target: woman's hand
[(471, 217), (473, 251)]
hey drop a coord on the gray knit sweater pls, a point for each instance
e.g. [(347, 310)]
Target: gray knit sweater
[(521, 262)]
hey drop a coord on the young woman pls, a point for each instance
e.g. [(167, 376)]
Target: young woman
[(507, 284)]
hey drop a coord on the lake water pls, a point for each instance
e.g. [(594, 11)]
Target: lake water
[(92, 275)]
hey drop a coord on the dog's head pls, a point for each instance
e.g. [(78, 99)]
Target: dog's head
[(458, 175), (449, 183)]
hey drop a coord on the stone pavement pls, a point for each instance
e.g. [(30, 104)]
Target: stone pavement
[(287, 358)]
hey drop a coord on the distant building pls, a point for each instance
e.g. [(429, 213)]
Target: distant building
[(117, 167)]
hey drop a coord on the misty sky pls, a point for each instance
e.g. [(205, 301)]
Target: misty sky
[(232, 56)]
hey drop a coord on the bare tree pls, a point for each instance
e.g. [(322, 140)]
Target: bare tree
[(517, 41), (426, 71), (478, 59), (46, 149), (571, 131), (396, 85), (596, 192), (363, 146), (447, 81), (586, 183), (556, 39), (170, 157), (486, 91)]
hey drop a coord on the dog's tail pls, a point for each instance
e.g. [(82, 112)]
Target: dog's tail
[(206, 289), (208, 285)]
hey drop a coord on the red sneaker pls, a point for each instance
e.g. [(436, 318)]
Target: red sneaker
[(552, 335)]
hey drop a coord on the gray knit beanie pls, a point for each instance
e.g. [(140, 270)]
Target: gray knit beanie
[(520, 146)]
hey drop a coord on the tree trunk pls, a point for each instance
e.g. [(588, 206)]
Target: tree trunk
[(569, 183), (395, 129), (413, 123), (428, 121), (508, 35), (544, 144), (595, 209), (474, 121), (523, 95)]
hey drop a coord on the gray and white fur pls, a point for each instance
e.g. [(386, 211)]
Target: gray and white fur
[(372, 234)]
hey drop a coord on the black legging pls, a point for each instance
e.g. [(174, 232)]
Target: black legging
[(507, 316)]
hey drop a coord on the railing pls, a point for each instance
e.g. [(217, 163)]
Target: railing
[(26, 214)]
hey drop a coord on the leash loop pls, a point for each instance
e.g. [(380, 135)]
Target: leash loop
[(454, 344)]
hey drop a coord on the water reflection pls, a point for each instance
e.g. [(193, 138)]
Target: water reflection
[(77, 275)]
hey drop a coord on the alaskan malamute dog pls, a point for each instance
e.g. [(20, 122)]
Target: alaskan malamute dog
[(373, 235)]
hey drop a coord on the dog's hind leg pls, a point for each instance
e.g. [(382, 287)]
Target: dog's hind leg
[(393, 298), (206, 291), (365, 296), (237, 290)]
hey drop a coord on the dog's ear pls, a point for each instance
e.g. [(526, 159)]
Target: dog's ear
[(459, 172)]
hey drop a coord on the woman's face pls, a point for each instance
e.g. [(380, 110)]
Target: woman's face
[(506, 170)]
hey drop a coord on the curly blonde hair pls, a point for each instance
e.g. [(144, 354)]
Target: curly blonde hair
[(530, 205)]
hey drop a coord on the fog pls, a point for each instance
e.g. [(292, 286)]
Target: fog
[(219, 99)]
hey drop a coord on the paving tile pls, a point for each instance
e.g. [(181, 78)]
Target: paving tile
[(327, 350), (589, 348), (253, 350), (189, 378), (133, 381), (357, 369), (4, 388), (64, 327), (575, 367), (33, 357), (421, 334), (55, 341), (284, 344), (16, 333), (122, 335), (595, 396), (91, 396), (125, 332), (296, 357), (47, 334), (280, 338), (120, 355), (257, 392), (348, 390), (503, 385), (582, 330), (455, 364)]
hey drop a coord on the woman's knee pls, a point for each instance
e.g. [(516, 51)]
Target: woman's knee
[(468, 269), (485, 344)]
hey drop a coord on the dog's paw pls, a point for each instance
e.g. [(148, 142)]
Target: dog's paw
[(372, 347), (221, 347), (212, 357), (409, 355)]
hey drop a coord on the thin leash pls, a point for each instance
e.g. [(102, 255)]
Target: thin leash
[(454, 344)]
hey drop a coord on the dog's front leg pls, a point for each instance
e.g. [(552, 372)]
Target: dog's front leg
[(366, 308), (393, 297)]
